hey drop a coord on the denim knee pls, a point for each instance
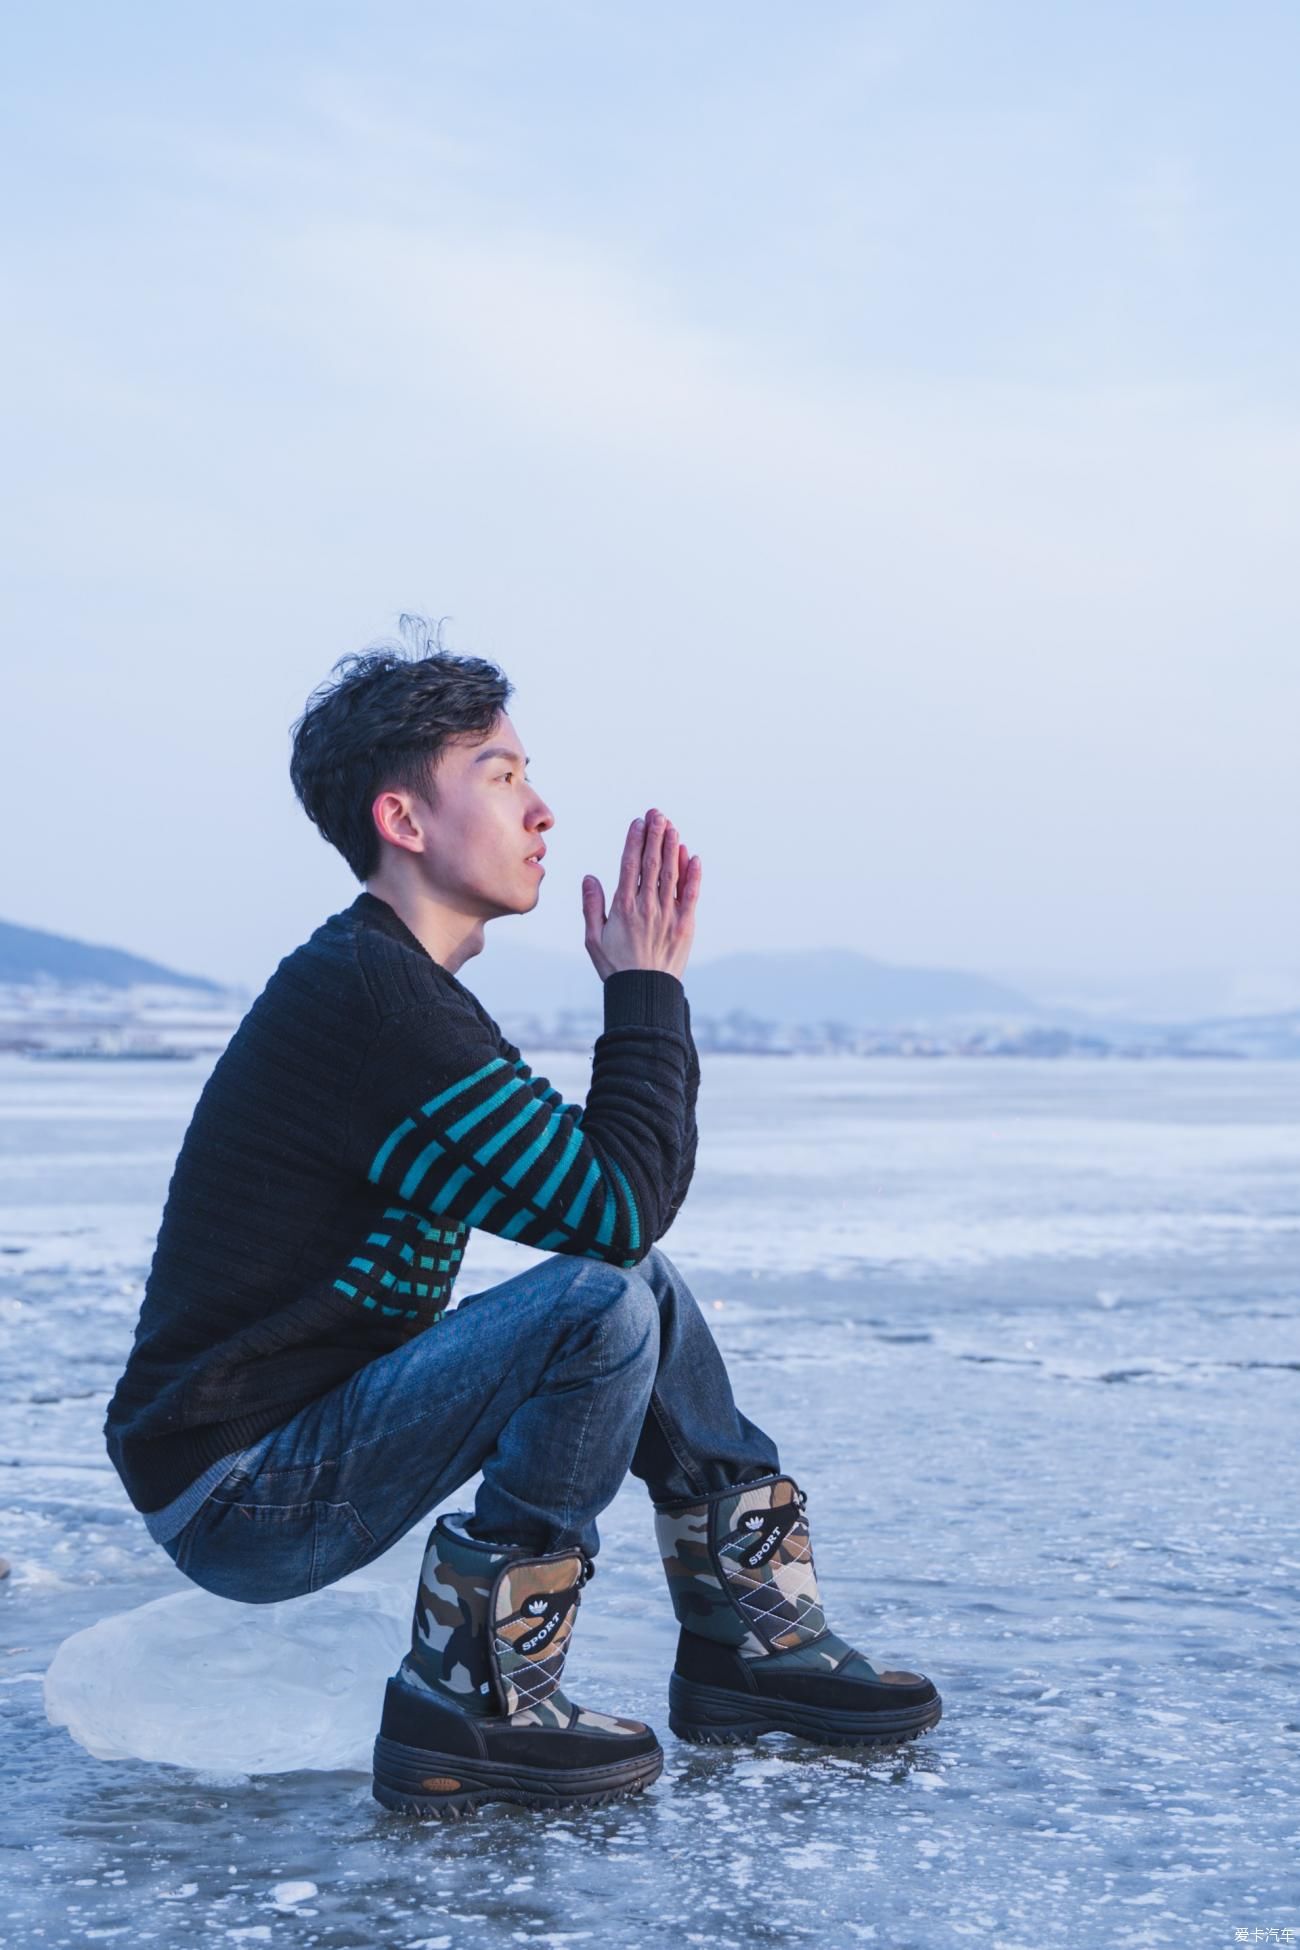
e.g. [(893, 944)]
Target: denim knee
[(621, 1312)]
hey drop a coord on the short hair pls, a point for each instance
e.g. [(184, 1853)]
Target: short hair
[(380, 723)]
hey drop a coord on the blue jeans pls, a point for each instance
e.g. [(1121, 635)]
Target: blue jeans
[(554, 1384)]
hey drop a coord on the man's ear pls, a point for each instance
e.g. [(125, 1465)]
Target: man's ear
[(398, 821)]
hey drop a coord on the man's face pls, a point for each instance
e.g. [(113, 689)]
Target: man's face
[(488, 819)]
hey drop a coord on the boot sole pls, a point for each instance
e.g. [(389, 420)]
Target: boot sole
[(405, 1777), (712, 1716)]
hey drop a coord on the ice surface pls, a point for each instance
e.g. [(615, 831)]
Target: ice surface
[(1028, 1337), (228, 1688)]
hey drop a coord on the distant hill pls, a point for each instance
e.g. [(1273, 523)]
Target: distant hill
[(31, 955), (807, 985), (1267, 1037), (837, 984)]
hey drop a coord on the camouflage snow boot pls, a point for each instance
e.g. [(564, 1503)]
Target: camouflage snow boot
[(475, 1712), (754, 1654)]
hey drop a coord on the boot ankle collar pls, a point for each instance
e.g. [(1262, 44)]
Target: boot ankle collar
[(702, 1501)]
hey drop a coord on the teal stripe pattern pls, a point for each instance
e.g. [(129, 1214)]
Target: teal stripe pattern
[(524, 1163), (443, 1197), (409, 1274), (410, 1185), (547, 1092), (633, 1217), (388, 1147), (435, 1104), (484, 1206), (579, 1206), (486, 1152), (457, 1131), (564, 1165), (606, 1232), (499, 1148)]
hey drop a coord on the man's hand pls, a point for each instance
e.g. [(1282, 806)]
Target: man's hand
[(651, 919)]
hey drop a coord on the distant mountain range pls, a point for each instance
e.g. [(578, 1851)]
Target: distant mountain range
[(824, 989), (1261, 1036), (1171, 995), (793, 985), (839, 985), (31, 955), (786, 986)]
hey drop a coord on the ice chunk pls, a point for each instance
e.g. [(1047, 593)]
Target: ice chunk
[(203, 1682), (286, 1894)]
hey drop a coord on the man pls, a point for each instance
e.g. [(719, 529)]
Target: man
[(300, 1393)]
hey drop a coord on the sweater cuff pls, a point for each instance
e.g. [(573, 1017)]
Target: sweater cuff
[(645, 998)]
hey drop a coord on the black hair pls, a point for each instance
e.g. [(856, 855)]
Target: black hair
[(380, 722)]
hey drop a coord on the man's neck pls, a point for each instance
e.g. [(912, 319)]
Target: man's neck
[(450, 938)]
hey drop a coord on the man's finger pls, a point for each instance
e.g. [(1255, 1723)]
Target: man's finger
[(668, 870), (630, 865), (683, 868), (593, 903), (651, 858)]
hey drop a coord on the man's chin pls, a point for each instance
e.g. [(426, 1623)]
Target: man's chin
[(522, 905)]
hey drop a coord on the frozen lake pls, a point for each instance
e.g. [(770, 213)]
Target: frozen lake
[(1027, 1335)]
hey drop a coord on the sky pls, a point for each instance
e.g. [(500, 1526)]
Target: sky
[(868, 432)]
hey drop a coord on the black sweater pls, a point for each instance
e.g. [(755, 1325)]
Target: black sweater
[(364, 1115)]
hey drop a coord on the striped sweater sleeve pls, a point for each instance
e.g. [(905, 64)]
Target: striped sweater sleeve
[(445, 1119), (543, 1087), (546, 1090)]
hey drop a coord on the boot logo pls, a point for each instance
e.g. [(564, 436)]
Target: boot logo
[(543, 1613), (760, 1534)]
